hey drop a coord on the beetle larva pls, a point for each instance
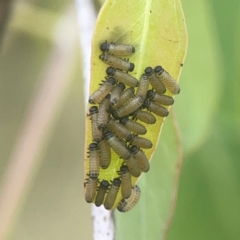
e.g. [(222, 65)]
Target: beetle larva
[(112, 193), (105, 153), (103, 112), (101, 192), (127, 204), (141, 142), (143, 116), (124, 97), (122, 77), (91, 187), (115, 94), (117, 62), (141, 158), (126, 186), (160, 98), (132, 166), (133, 126), (143, 86), (168, 81), (94, 160), (131, 106), (117, 49), (154, 81), (119, 130), (117, 146), (155, 108), (103, 91), (96, 132)]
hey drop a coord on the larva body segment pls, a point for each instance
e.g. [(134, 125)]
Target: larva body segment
[(117, 49), (154, 81), (133, 126), (126, 186), (91, 187), (105, 154), (117, 62), (103, 112), (103, 91), (143, 86), (101, 193), (112, 193), (141, 142), (131, 106), (119, 130), (123, 77), (127, 204), (96, 132), (141, 158), (132, 166), (160, 98), (94, 160), (116, 92), (168, 81), (155, 108), (143, 116), (124, 97), (117, 146)]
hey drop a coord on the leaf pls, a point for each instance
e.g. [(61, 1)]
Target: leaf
[(157, 31)]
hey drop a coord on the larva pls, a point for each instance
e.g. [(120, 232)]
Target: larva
[(117, 49)]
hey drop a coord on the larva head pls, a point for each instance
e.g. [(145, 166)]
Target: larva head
[(122, 86), (134, 149), (115, 115), (116, 182), (104, 47), (111, 80), (104, 184), (92, 146), (132, 66), (146, 103), (158, 69), (123, 120), (150, 94), (123, 169), (110, 71), (108, 135), (93, 110), (148, 71)]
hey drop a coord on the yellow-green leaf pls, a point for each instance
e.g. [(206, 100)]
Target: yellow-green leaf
[(157, 31)]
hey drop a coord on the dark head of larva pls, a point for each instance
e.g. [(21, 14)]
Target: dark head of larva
[(150, 94), (148, 71), (93, 110), (110, 71), (108, 96), (122, 86), (146, 103), (132, 66), (104, 47), (108, 135), (134, 149), (124, 169), (115, 115), (123, 120), (117, 182), (111, 80), (102, 57), (158, 69), (104, 184), (92, 146)]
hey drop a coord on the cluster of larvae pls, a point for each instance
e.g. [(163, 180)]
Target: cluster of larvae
[(119, 102)]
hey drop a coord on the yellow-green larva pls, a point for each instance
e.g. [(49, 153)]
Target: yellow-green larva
[(124, 97), (117, 49), (131, 106), (126, 186), (143, 86), (143, 116), (154, 80), (103, 112), (141, 142), (141, 158), (127, 204), (94, 160), (105, 153), (112, 193), (115, 94), (168, 81), (116, 145), (160, 98), (133, 126), (155, 108), (96, 132), (101, 192), (119, 130), (91, 187), (117, 62), (103, 91), (132, 166), (122, 77)]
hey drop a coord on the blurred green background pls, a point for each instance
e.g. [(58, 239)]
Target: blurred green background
[(207, 109)]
